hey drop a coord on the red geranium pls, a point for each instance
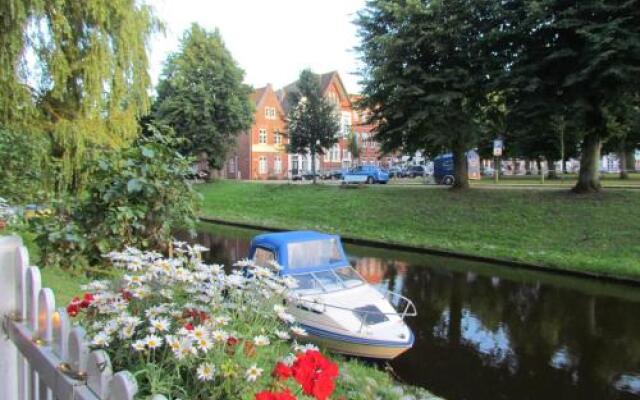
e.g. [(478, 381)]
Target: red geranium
[(268, 395), (188, 326), (282, 371), (313, 372), (74, 307), (86, 300)]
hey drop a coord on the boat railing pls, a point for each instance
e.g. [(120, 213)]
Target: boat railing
[(408, 308)]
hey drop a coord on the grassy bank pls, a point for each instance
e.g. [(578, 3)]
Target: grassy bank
[(597, 233)]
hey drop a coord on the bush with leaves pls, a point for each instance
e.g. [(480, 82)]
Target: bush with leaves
[(62, 242), (138, 195), (135, 197), (22, 166)]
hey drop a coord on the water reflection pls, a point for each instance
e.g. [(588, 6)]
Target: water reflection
[(486, 332)]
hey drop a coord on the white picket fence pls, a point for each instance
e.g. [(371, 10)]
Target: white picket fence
[(42, 356)]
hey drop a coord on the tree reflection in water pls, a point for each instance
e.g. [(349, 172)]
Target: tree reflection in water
[(487, 332)]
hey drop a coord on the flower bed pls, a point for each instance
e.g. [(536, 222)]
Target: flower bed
[(189, 330)]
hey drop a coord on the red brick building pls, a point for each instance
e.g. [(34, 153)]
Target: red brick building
[(369, 148), (261, 153), (338, 156)]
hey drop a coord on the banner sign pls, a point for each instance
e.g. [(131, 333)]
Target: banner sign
[(497, 147)]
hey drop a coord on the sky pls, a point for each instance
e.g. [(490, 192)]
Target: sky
[(271, 40)]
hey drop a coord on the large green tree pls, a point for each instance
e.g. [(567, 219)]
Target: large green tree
[(77, 72), (202, 97), (427, 64), (312, 122), (575, 56)]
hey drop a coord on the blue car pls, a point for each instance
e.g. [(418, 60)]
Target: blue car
[(374, 174)]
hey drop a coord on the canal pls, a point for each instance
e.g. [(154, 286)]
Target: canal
[(493, 332)]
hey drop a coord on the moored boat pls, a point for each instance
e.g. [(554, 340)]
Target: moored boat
[(338, 309)]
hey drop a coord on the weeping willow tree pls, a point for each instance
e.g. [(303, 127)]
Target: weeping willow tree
[(77, 73)]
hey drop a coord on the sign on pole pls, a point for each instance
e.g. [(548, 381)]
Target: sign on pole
[(497, 147)]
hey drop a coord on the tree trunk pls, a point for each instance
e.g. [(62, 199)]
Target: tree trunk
[(527, 167), (313, 164), (539, 166), (622, 163), (588, 178), (631, 159), (460, 167)]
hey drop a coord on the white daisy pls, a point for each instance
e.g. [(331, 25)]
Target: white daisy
[(204, 344), (206, 371), (159, 325), (127, 332), (298, 330), (279, 308), (153, 341), (198, 332), (222, 320), (283, 335), (286, 317), (253, 373), (186, 350), (219, 335), (138, 345), (173, 342), (261, 340), (101, 339)]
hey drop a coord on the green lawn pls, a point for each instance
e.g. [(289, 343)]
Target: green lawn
[(596, 233), (568, 180)]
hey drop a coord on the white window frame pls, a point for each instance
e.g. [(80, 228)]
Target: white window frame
[(262, 165), (270, 112), (262, 136), (277, 137), (277, 165)]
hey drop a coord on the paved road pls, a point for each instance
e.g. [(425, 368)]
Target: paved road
[(420, 183)]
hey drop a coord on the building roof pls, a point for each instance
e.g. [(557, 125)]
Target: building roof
[(324, 80)]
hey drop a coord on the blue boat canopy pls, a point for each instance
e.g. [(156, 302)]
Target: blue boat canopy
[(299, 251)]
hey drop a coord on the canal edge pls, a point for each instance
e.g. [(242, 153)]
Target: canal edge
[(440, 252)]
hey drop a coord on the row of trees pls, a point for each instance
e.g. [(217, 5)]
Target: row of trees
[(451, 75)]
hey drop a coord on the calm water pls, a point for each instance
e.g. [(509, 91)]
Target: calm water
[(488, 332)]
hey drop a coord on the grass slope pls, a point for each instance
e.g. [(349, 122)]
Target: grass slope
[(596, 233)]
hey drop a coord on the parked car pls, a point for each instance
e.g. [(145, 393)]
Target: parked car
[(304, 176), (417, 170), (395, 172), (335, 174), (374, 174), (443, 169)]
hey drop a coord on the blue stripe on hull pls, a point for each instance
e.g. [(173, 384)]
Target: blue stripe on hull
[(321, 333)]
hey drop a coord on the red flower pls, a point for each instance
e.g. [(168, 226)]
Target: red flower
[(282, 371), (126, 294), (73, 309), (188, 326), (86, 300), (203, 316), (315, 374), (232, 341), (267, 395), (323, 387)]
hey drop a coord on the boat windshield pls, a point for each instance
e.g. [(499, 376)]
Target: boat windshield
[(313, 253), (327, 281)]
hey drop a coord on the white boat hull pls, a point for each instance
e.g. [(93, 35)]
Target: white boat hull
[(360, 349)]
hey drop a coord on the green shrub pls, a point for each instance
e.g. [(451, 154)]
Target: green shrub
[(61, 241), (135, 197), (23, 177)]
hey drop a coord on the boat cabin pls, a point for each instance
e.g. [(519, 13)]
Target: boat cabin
[(316, 260)]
